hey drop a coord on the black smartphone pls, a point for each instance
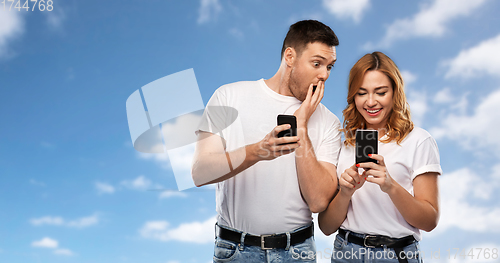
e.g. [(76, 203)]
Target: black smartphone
[(314, 88), (287, 119), (366, 143)]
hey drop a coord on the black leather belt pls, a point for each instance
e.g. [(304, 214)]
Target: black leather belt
[(375, 241), (268, 241)]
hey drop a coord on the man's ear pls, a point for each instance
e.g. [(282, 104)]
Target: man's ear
[(290, 56)]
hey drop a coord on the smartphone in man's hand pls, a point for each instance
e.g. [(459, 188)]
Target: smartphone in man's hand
[(366, 143), (287, 119)]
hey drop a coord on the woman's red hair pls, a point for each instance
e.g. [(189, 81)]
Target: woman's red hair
[(399, 124)]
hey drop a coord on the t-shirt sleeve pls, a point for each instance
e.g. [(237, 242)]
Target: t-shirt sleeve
[(426, 158), (329, 149), (214, 117)]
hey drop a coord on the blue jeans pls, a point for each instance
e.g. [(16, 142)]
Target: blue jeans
[(347, 252), (228, 251)]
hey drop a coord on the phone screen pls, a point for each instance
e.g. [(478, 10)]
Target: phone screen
[(366, 143), (287, 119)]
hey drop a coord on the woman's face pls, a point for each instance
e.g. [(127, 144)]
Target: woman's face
[(374, 99)]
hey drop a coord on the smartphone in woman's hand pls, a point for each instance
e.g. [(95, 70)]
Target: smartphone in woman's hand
[(366, 143)]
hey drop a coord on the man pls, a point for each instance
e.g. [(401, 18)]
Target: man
[(265, 194)]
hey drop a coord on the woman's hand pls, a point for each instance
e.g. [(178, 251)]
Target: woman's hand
[(379, 173), (309, 105), (350, 181)]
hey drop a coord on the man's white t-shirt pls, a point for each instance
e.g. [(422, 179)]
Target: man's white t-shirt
[(265, 198), (372, 211)]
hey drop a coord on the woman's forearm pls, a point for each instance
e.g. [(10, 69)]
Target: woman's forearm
[(419, 213), (332, 218)]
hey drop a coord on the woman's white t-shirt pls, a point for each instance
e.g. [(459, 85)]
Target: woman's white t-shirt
[(372, 211)]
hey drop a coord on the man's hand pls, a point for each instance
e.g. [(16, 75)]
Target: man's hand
[(271, 146), (309, 104)]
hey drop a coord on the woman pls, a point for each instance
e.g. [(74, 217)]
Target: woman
[(380, 207)]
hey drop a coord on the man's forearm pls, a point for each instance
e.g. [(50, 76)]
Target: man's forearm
[(317, 183), (212, 164), (212, 168)]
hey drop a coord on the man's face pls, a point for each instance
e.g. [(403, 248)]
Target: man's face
[(310, 67)]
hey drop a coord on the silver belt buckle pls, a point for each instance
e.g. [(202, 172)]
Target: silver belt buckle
[(262, 242), (364, 241)]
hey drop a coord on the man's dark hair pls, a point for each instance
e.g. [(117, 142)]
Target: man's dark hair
[(308, 31)]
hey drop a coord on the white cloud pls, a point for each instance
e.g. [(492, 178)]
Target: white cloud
[(63, 251), (193, 232), (444, 96), (181, 131), (160, 158), (181, 160), (476, 131), (35, 182), (46, 242), (84, 222), (431, 21), (47, 220), (416, 98), (237, 33), (168, 194), (59, 221), (104, 188), (180, 140), (55, 18), (11, 27), (209, 9), (408, 77), (418, 106), (177, 133), (352, 9), (459, 189), (476, 61), (459, 105), (47, 145), (140, 183)]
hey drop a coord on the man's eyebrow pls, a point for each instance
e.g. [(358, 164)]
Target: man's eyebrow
[(319, 56), (323, 58)]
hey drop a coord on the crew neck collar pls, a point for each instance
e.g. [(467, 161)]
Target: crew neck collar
[(277, 96)]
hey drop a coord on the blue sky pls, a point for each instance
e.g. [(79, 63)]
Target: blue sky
[(73, 189)]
